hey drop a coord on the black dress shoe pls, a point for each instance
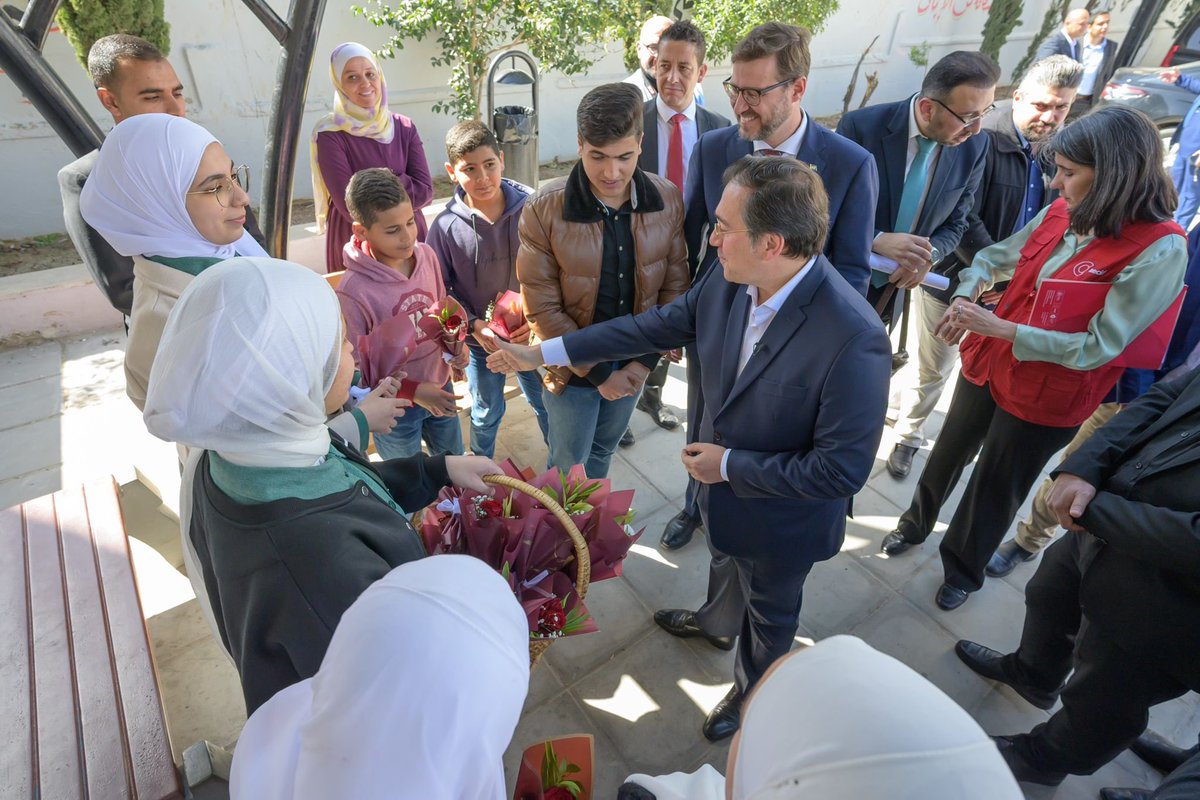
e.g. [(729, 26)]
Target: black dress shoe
[(990, 664), (894, 543), (1156, 751), (1006, 558), (723, 721), (1109, 793), (950, 597), (663, 417), (626, 438), (678, 531), (899, 463), (1022, 770), (682, 623), (631, 791)]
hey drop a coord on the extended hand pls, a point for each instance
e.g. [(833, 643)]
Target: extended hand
[(485, 336), (466, 472), (963, 316), (520, 335), (436, 400), (912, 253), (1169, 75), (1068, 499), (514, 357), (622, 383), (381, 406), (461, 360), (703, 461)]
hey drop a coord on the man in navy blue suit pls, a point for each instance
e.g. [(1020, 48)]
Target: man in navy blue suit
[(793, 378), (930, 164), (770, 76), (1065, 40)]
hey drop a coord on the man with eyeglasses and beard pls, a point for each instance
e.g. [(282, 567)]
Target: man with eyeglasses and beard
[(930, 165), (770, 76)]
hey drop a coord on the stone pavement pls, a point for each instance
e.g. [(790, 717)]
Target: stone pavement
[(641, 693)]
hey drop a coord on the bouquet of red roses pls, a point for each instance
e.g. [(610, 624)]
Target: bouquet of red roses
[(445, 322), (505, 314), (527, 544)]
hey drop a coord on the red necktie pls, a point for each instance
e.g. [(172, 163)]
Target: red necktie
[(675, 152)]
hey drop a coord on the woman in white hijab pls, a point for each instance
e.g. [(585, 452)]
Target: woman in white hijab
[(286, 524), (165, 193), (842, 721), (417, 697)]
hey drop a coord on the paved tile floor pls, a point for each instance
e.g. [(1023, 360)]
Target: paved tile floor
[(643, 694)]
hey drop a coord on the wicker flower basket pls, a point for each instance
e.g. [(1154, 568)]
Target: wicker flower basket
[(539, 646)]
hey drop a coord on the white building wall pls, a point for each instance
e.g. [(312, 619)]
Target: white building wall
[(227, 63)]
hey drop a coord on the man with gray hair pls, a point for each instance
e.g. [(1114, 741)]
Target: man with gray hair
[(1011, 192), (1065, 41)]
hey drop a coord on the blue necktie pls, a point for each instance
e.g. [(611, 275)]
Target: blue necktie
[(910, 198)]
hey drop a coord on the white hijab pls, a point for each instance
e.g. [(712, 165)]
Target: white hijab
[(249, 353), (843, 721), (417, 697), (135, 198)]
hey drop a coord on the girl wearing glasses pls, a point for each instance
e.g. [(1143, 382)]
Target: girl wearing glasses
[(361, 133), (165, 193)]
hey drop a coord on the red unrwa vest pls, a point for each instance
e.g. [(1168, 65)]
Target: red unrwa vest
[(1038, 391)]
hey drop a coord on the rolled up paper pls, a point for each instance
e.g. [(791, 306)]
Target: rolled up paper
[(887, 266)]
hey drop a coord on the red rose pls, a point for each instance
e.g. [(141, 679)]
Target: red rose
[(491, 508), (557, 793), (551, 617), (453, 321)]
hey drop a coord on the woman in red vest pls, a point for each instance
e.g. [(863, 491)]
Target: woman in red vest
[(1024, 391)]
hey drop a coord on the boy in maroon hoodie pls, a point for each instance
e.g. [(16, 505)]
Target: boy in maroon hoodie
[(391, 276)]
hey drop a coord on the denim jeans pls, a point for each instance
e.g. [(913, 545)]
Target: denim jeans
[(487, 401), (585, 428), (441, 434)]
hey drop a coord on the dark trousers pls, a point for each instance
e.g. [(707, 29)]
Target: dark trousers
[(1106, 703), (1012, 453), (758, 600), (651, 398), (1182, 784)]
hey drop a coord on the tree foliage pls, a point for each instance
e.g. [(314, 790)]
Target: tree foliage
[(1002, 19), (1050, 23), (85, 21), (470, 33)]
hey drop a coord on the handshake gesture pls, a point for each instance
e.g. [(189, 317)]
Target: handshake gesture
[(507, 358)]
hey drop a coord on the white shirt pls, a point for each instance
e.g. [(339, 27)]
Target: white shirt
[(790, 145), (1093, 55), (554, 353), (690, 134)]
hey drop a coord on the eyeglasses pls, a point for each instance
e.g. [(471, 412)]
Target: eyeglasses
[(223, 191), (720, 230), (966, 121), (653, 47), (752, 96)]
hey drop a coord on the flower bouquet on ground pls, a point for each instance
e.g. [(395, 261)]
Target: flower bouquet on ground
[(557, 769), (505, 314), (548, 535)]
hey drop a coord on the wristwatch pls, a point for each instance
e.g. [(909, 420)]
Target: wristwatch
[(935, 256)]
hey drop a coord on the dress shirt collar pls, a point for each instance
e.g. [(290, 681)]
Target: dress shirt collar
[(914, 130), (665, 112), (771, 306), (790, 145)]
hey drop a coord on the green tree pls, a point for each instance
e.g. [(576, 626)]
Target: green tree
[(85, 21), (1002, 19), (1050, 23), (470, 33), (726, 22)]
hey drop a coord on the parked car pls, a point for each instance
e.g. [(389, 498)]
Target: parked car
[(1141, 88), (1187, 44)]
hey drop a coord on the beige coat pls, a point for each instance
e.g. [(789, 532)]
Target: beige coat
[(156, 287)]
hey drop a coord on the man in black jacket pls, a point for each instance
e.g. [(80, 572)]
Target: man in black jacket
[(1011, 192), (1119, 600), (131, 77)]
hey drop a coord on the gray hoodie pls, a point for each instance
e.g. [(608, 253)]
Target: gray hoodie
[(478, 257)]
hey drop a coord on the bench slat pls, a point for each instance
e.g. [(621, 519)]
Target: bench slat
[(154, 773), (16, 732)]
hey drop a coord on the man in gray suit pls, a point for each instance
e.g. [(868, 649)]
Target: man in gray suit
[(1065, 41), (673, 123)]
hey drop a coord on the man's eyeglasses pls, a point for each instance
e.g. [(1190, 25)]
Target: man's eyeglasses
[(720, 230), (752, 96), (966, 121), (223, 191)]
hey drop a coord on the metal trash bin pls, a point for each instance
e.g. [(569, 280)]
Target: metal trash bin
[(516, 127)]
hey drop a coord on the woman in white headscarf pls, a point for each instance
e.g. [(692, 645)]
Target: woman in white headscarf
[(165, 193), (361, 132), (288, 523), (842, 721), (417, 697)]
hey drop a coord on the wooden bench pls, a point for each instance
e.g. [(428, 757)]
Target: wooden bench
[(81, 711)]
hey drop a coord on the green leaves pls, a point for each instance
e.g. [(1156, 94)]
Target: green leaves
[(85, 21), (555, 771)]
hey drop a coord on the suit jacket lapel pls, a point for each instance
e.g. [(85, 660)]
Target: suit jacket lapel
[(812, 147), (895, 154), (947, 161), (735, 330), (648, 160)]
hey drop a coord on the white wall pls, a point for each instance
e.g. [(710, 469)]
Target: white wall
[(227, 63)]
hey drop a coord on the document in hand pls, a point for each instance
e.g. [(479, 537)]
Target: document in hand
[(1068, 306)]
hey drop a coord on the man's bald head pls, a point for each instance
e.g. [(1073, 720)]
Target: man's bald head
[(1076, 22), (647, 45)]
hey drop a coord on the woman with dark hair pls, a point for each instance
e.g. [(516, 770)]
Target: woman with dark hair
[(1024, 390)]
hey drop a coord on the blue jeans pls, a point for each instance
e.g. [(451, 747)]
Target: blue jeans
[(441, 434), (585, 428), (487, 401)]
